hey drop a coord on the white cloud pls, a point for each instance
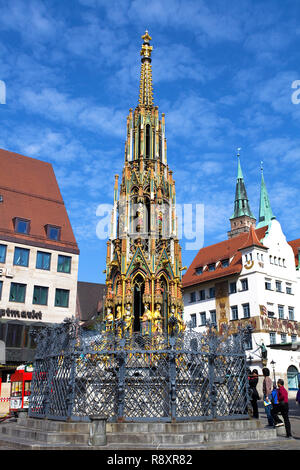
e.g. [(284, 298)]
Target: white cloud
[(78, 112)]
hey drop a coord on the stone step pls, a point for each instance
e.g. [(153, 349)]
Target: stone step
[(53, 425), (183, 427), (31, 433), (155, 439), (21, 432)]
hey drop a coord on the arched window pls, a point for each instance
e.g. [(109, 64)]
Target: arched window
[(138, 306), (292, 376), (165, 302), (160, 147), (147, 215), (147, 141)]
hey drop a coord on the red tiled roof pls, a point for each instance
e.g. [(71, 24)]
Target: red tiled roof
[(252, 240), (295, 244), (30, 191), (227, 249)]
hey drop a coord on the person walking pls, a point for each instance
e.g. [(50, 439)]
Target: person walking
[(284, 406), (267, 392), (275, 407), (253, 381)]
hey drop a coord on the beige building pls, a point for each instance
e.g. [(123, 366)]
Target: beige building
[(38, 255)]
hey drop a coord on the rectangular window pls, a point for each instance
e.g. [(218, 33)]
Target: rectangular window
[(211, 292), (283, 337), (288, 289), (53, 232), (291, 313), (246, 310), (14, 336), (43, 260), (203, 318), (268, 285), (62, 298), (2, 253), (193, 320), (294, 338), (22, 225), (232, 288), (278, 286), (213, 317), (202, 294), (40, 295), (21, 257), (234, 312), (272, 337), (244, 284), (192, 297), (17, 292), (281, 312), (64, 264), (248, 342)]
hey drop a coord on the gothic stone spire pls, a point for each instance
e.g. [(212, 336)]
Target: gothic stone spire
[(242, 217)]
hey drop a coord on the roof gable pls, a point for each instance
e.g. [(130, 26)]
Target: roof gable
[(227, 249)]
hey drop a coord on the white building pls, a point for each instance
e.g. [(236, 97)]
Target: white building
[(251, 278)]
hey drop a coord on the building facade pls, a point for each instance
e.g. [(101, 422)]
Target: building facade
[(38, 255), (252, 278)]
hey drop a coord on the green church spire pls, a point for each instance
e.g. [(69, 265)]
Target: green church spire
[(241, 202), (265, 210)]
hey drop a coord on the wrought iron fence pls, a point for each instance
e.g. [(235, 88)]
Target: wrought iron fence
[(192, 376)]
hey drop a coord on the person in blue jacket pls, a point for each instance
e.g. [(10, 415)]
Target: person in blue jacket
[(275, 407)]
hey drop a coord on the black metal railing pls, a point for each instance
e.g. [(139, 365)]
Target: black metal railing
[(191, 376)]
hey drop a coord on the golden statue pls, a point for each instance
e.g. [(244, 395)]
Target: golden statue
[(146, 319), (157, 320), (109, 320), (118, 320), (128, 318)]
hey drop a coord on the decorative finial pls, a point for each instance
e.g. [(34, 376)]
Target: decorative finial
[(146, 48), (261, 166), (146, 36), (146, 92), (238, 151)]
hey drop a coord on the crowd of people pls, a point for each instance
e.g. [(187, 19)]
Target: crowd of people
[(275, 397)]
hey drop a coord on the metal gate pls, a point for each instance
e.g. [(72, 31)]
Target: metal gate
[(79, 373)]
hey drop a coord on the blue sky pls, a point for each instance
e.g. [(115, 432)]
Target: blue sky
[(222, 74)]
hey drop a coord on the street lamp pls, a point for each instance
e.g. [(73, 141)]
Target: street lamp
[(273, 365)]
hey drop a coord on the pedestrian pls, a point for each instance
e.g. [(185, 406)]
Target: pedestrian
[(298, 395), (254, 397), (284, 406), (267, 392), (275, 407)]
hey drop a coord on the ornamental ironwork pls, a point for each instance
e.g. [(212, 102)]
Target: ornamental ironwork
[(177, 377)]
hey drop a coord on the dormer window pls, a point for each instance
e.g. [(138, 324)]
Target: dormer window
[(53, 232), (225, 263), (21, 225), (211, 267), (199, 271)]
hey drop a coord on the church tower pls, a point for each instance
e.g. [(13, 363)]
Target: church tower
[(242, 218), (265, 210), (143, 266)]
